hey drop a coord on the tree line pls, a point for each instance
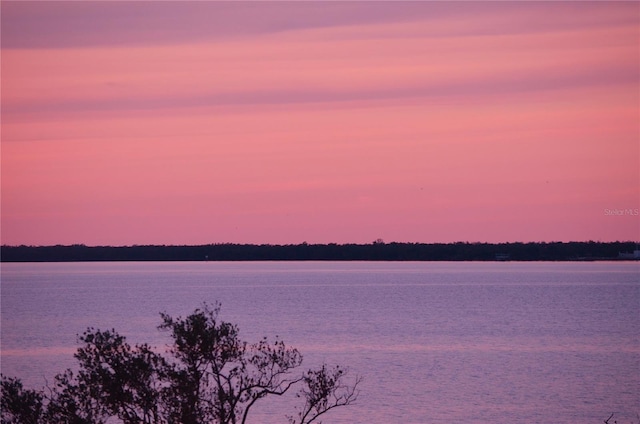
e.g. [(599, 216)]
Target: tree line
[(376, 251)]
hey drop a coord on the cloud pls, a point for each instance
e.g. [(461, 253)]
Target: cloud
[(59, 24), (82, 24), (311, 68)]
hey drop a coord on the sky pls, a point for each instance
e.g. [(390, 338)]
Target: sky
[(128, 123)]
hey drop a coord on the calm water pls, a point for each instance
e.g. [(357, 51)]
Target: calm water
[(436, 342)]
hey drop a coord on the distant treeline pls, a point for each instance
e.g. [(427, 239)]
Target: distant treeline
[(377, 251)]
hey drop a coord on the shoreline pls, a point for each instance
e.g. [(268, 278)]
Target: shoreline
[(377, 251)]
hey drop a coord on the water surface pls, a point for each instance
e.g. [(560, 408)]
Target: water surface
[(435, 341)]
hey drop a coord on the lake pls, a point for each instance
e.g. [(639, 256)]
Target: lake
[(436, 342)]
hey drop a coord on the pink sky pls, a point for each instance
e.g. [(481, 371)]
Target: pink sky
[(257, 122)]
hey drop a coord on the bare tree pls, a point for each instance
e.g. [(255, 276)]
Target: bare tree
[(324, 390)]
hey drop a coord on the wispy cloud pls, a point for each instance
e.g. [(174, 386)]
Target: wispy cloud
[(59, 24)]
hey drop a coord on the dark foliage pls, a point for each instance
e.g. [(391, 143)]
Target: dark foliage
[(208, 376), (18, 405), (376, 251)]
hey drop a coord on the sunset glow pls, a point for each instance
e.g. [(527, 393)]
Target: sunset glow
[(259, 122)]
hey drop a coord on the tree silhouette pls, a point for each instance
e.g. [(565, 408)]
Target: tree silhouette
[(19, 405), (209, 375)]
